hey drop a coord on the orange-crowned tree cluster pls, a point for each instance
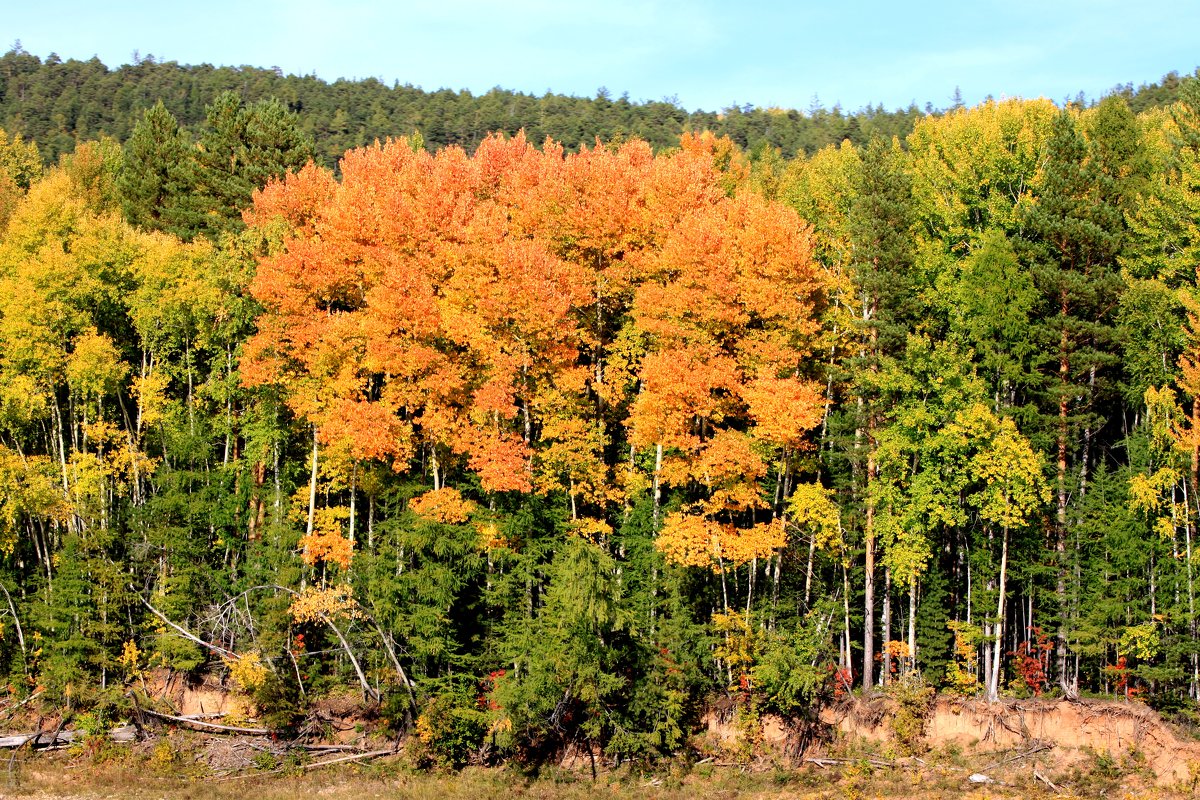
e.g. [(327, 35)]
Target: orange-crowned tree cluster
[(599, 325)]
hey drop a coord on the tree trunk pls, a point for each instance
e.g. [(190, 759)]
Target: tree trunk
[(886, 650), (912, 623), (993, 685), (868, 672)]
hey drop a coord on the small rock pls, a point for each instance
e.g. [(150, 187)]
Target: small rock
[(978, 778)]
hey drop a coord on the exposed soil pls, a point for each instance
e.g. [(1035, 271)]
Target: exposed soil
[(1076, 731), (1088, 748)]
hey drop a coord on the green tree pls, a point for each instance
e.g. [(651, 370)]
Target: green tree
[(159, 174), (879, 225), (1074, 247), (241, 148)]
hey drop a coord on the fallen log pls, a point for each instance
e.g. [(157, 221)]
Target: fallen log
[(59, 738), (1045, 780), (208, 726), (317, 764), (17, 740), (8, 712)]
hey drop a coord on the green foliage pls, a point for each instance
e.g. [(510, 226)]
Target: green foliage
[(449, 731), (279, 701), (792, 669), (913, 701), (567, 680), (66, 101), (240, 149), (158, 174)]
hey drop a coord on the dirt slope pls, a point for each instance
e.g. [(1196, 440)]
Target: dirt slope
[(1076, 730)]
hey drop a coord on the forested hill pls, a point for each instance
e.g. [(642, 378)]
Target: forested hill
[(535, 446), (58, 103)]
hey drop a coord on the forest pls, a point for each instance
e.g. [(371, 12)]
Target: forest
[(532, 442)]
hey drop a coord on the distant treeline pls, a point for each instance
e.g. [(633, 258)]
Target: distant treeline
[(60, 103)]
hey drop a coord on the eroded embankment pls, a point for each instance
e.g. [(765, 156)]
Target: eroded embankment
[(968, 734), (1073, 731)]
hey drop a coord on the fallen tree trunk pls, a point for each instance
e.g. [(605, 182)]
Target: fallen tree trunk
[(317, 764), (46, 739), (208, 726)]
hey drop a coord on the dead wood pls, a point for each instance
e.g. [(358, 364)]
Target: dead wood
[(1036, 747), (318, 764), (208, 726)]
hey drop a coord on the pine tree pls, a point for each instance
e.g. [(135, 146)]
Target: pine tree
[(159, 174), (242, 148), (879, 226), (1075, 237)]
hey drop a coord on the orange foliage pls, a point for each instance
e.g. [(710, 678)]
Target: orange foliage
[(326, 547), (508, 310), (695, 541), (296, 203), (783, 409), (742, 545), (442, 505), (688, 540)]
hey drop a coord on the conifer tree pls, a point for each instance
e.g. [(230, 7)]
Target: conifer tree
[(159, 174), (879, 226)]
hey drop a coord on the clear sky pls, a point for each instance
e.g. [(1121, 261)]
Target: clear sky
[(706, 54)]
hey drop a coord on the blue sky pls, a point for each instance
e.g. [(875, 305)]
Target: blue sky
[(704, 53)]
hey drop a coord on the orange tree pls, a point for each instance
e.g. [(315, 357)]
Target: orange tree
[(557, 341)]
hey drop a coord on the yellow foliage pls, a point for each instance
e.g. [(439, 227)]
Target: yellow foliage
[(444, 505), (1148, 493), (95, 365), (589, 528), (129, 658), (1165, 528), (961, 672), (736, 646), (314, 604), (490, 537), (812, 509), (247, 670), (29, 486)]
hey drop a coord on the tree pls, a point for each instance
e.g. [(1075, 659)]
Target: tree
[(159, 175), (20, 166), (1010, 492), (240, 150), (879, 224), (1076, 237)]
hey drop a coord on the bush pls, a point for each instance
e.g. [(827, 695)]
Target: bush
[(913, 700), (449, 730), (278, 699)]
